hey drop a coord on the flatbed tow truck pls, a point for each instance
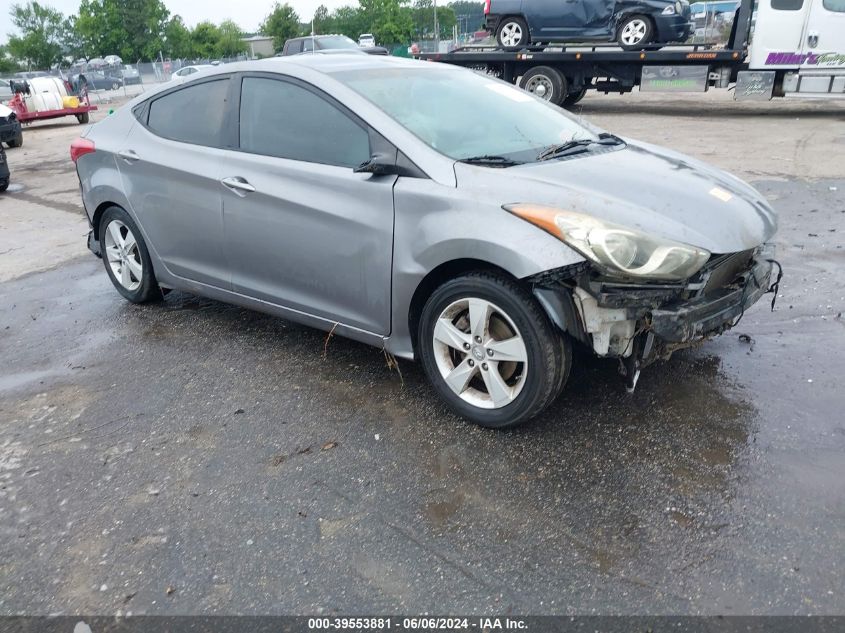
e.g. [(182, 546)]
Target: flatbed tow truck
[(776, 48)]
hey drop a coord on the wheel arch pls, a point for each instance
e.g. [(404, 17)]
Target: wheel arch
[(437, 277)]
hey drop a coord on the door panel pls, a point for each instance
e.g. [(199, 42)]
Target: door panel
[(174, 191), (314, 238), (303, 230), (778, 36), (826, 33)]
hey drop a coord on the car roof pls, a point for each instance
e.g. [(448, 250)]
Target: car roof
[(327, 63)]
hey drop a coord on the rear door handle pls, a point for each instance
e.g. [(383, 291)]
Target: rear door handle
[(129, 156), (237, 184)]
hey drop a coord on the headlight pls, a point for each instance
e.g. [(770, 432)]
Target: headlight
[(670, 10), (618, 250)]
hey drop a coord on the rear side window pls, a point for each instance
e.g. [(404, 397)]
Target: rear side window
[(787, 5), (193, 114), (293, 47), (283, 119)]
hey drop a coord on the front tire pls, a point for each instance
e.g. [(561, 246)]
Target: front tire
[(126, 257), (512, 33), (490, 351), (4, 184), (635, 33)]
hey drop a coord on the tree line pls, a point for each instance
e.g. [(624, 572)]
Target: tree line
[(145, 29)]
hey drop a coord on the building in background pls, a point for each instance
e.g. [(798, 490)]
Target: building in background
[(259, 46)]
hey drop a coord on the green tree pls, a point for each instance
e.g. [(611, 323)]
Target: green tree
[(422, 14), (230, 42), (41, 28), (177, 38), (323, 22), (133, 29), (391, 20), (350, 21), (205, 38), (281, 24), (8, 64), (470, 15)]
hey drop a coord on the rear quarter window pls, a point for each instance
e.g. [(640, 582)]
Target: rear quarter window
[(193, 114)]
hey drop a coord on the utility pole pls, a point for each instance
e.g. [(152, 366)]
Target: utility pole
[(436, 30)]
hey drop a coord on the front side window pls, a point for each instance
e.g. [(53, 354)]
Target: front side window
[(286, 120), (835, 5), (191, 115), (787, 5), (464, 114)]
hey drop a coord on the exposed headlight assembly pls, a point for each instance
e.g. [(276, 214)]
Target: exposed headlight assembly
[(618, 250), (670, 10)]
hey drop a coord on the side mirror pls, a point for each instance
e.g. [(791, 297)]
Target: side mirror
[(378, 165)]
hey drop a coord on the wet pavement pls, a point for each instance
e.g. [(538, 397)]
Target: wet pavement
[(188, 457)]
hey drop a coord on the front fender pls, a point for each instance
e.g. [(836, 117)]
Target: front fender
[(439, 229)]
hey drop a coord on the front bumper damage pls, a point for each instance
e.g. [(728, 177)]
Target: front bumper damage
[(642, 323)]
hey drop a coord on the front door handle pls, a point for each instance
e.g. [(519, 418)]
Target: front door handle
[(237, 184), (129, 156), (812, 39)]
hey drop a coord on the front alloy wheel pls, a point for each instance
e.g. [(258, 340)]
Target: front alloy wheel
[(635, 33), (480, 353), (490, 351)]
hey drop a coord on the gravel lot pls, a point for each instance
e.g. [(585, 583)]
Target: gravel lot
[(191, 457)]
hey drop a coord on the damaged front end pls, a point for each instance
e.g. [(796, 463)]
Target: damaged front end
[(639, 323)]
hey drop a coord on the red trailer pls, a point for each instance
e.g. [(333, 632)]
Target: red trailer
[(25, 115)]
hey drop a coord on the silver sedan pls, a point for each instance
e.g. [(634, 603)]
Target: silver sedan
[(436, 213)]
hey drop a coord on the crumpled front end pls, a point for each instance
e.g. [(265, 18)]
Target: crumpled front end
[(640, 323)]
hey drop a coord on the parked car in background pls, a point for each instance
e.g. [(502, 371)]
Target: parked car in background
[(187, 71), (428, 210), (11, 132), (297, 45), (366, 40), (131, 76), (4, 171), (633, 24), (97, 80)]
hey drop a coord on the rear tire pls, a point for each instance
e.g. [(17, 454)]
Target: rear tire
[(83, 118), (574, 97), (4, 184), (512, 33), (126, 257), (529, 362), (17, 141), (545, 82)]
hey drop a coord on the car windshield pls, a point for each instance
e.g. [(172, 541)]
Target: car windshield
[(466, 115), (337, 41)]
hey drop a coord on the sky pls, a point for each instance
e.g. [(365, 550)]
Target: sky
[(248, 14)]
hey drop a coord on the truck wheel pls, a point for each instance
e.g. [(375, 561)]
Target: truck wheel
[(17, 141), (545, 82), (635, 33), (490, 351), (512, 32), (574, 97), (83, 118)]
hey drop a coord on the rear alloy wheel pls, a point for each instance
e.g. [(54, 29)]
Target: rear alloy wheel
[(545, 82), (126, 257), (635, 33), (115, 86), (512, 32), (490, 351)]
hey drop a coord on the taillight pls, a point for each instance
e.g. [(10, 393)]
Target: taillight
[(80, 147), (486, 6)]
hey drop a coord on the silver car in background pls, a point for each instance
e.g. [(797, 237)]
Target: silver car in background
[(428, 210)]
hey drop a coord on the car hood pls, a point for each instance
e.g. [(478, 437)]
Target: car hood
[(5, 111), (655, 190)]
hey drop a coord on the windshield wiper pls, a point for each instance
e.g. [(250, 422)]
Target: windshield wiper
[(576, 146), (490, 160)]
